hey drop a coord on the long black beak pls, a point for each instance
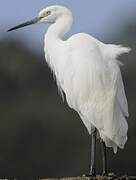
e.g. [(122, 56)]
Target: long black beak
[(33, 21)]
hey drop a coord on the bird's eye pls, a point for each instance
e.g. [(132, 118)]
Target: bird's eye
[(45, 14), (48, 13)]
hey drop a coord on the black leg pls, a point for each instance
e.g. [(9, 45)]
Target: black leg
[(104, 159), (93, 153)]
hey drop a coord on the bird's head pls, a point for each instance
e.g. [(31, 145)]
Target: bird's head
[(48, 15)]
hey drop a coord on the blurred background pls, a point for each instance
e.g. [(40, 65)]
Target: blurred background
[(40, 136)]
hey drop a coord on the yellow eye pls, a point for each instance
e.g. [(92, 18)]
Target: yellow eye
[(47, 13)]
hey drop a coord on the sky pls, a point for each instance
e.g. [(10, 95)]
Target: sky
[(100, 18)]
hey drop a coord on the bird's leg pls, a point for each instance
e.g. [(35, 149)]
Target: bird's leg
[(104, 158), (93, 152)]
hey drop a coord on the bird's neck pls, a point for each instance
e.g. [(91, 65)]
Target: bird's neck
[(60, 27)]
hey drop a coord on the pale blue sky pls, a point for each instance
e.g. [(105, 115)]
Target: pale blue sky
[(97, 17)]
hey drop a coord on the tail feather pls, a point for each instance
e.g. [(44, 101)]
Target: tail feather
[(113, 51)]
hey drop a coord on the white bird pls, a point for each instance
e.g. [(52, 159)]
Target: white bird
[(88, 73)]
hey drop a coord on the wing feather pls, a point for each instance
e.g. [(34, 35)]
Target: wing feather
[(97, 92)]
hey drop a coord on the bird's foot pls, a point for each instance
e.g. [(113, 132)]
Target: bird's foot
[(104, 173), (92, 173)]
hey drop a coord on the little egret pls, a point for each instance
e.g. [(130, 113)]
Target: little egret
[(88, 73)]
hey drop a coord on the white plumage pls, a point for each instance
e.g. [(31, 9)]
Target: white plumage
[(88, 73)]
